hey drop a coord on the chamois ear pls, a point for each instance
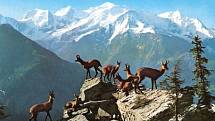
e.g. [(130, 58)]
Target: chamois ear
[(162, 63), (126, 65), (75, 95), (51, 92), (77, 56), (167, 61)]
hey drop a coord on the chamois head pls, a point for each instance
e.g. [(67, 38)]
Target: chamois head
[(164, 66), (78, 58), (118, 63), (51, 95), (77, 98), (127, 67)]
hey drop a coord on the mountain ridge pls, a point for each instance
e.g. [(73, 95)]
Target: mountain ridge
[(105, 15), (28, 72)]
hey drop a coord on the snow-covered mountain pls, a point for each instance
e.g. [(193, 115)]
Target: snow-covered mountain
[(113, 18), (111, 32), (186, 25)]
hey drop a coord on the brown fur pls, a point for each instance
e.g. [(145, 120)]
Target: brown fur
[(74, 104), (42, 107), (133, 78), (151, 73), (110, 71), (89, 64), (124, 84)]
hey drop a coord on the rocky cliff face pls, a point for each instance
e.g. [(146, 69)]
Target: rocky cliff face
[(101, 102)]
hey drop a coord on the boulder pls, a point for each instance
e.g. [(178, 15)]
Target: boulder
[(150, 106)]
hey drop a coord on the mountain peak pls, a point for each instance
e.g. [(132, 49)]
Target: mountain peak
[(38, 17), (35, 12), (63, 11), (175, 16), (108, 5), (104, 6)]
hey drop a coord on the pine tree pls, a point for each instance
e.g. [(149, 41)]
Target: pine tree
[(175, 82), (201, 73)]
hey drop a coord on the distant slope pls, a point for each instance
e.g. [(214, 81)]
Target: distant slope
[(28, 72)]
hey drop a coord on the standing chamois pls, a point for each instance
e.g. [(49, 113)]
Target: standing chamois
[(89, 64), (124, 84), (110, 71), (42, 107), (133, 78), (151, 73)]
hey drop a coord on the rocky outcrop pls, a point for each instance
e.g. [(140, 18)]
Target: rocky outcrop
[(98, 98), (151, 106), (101, 102)]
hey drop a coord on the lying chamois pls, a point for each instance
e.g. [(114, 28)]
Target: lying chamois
[(110, 71), (151, 73), (124, 84), (74, 104), (89, 64), (43, 107), (133, 78)]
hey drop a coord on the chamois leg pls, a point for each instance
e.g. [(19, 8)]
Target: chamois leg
[(46, 116), (108, 77), (49, 116), (114, 81), (101, 73), (126, 93), (155, 84), (152, 84), (98, 69), (139, 89), (135, 87), (96, 72), (105, 77), (89, 73), (138, 83)]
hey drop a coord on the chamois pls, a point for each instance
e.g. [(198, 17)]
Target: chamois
[(133, 78), (74, 104), (124, 84), (110, 71), (89, 64), (42, 107), (151, 73)]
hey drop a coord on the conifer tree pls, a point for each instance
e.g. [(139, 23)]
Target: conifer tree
[(201, 73), (175, 82)]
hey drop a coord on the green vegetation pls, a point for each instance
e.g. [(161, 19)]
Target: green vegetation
[(175, 86), (201, 73)]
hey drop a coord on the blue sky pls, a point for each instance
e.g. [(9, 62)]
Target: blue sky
[(202, 9)]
